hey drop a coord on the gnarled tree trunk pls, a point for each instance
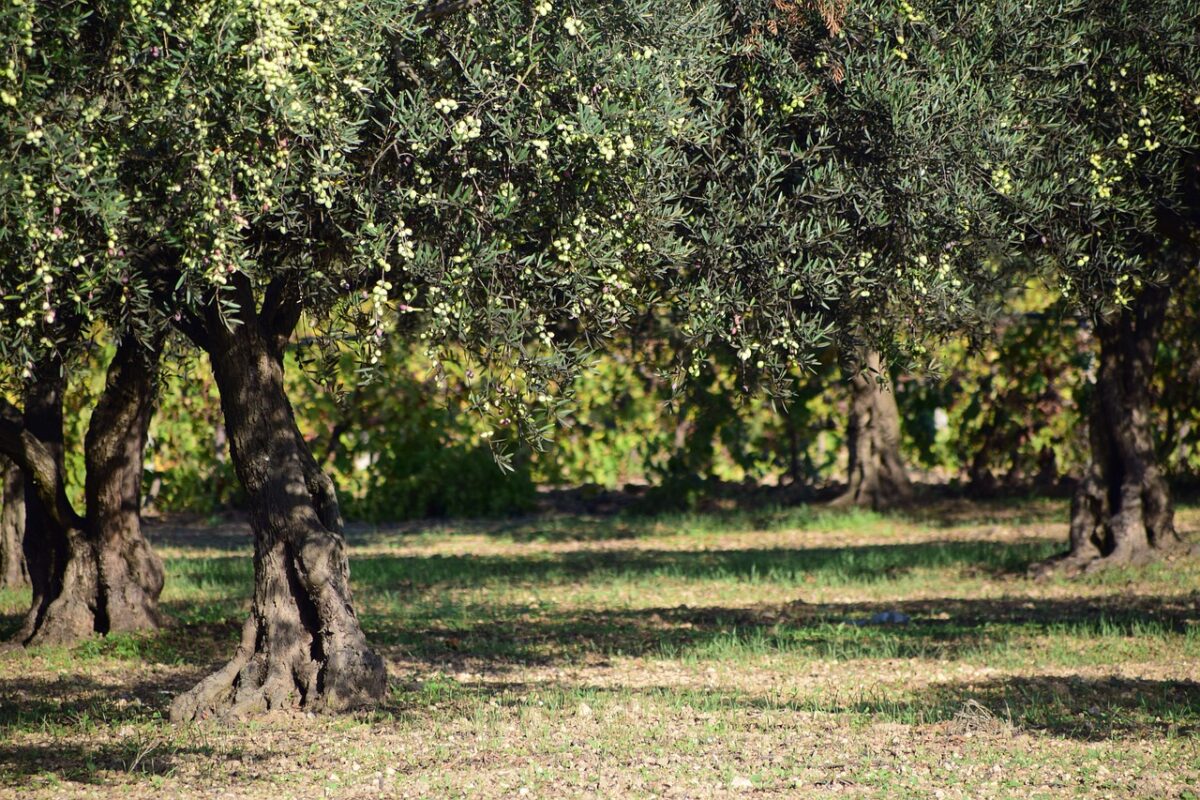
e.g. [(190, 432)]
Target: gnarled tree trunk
[(12, 525), (877, 477), (130, 574), (61, 571), (1121, 512), (93, 574), (302, 645)]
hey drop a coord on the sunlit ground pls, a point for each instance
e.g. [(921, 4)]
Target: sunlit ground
[(683, 656)]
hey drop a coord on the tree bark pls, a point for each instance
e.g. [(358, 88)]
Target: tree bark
[(1121, 512), (302, 645), (93, 574), (12, 526), (877, 477), (130, 574), (60, 572)]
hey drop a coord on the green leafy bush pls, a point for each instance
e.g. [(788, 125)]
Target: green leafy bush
[(407, 445)]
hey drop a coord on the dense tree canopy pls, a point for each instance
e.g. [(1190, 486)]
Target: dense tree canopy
[(852, 191), (495, 178), (1109, 121)]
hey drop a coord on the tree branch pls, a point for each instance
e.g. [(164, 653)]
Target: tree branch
[(281, 309), (36, 460), (445, 8), (192, 327), (164, 278)]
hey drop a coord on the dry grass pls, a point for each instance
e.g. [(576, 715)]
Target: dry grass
[(698, 656)]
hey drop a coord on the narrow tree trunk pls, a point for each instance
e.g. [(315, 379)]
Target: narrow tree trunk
[(793, 435), (12, 525), (302, 645), (877, 477), (1121, 512), (95, 574)]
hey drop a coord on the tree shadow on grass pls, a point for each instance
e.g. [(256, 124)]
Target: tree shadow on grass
[(404, 603), (121, 725), (1074, 707), (9, 625), (508, 637), (786, 566), (435, 626), (78, 704), (79, 699), (146, 755), (202, 643), (1070, 707), (760, 515), (778, 508), (1012, 511), (1089, 709), (945, 628)]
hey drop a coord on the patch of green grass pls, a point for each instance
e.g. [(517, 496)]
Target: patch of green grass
[(809, 566), (811, 519)]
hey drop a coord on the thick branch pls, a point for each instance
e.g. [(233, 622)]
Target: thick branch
[(193, 328), (445, 8), (281, 309), (165, 277), (32, 456)]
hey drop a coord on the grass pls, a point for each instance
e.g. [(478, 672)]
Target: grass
[(685, 655)]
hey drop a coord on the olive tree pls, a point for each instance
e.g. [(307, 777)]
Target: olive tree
[(853, 195), (1109, 198), (492, 179), (64, 278)]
